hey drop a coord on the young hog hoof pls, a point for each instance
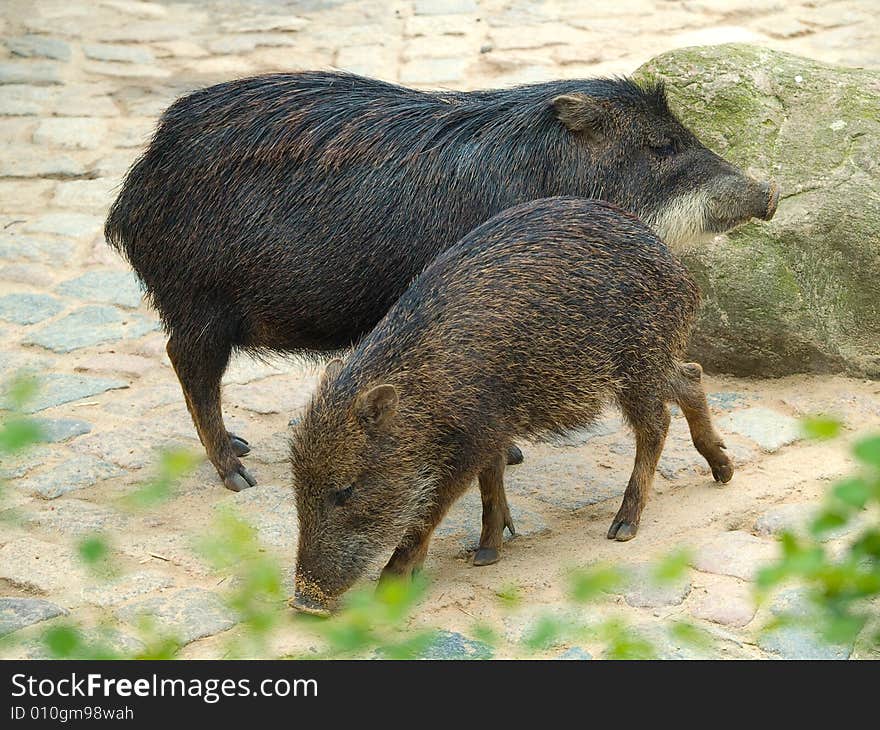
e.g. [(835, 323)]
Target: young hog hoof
[(514, 455), (239, 480), (622, 531), (240, 447), (722, 471), (486, 556)]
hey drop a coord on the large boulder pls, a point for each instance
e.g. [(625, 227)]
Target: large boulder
[(801, 293)]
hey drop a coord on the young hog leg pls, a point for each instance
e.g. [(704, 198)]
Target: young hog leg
[(496, 513), (199, 371), (410, 553), (649, 418), (688, 393)]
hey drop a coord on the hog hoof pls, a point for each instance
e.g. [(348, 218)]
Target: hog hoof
[(514, 455), (486, 556), (622, 531), (239, 480), (722, 472), (240, 446)]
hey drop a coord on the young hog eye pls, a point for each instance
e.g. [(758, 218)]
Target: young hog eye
[(341, 496)]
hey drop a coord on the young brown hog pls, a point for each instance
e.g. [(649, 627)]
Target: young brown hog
[(525, 328)]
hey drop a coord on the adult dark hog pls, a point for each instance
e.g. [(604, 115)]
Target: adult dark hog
[(289, 212), (526, 328)]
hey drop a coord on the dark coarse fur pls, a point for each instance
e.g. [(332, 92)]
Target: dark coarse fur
[(527, 327), (288, 212)]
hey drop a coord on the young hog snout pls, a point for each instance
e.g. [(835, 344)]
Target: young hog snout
[(526, 328)]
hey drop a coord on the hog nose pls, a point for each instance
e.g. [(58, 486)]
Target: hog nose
[(304, 604), (771, 195)]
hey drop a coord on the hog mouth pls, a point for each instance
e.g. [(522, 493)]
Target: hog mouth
[(304, 604)]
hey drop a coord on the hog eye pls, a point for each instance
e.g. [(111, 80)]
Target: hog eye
[(663, 149), (341, 496)]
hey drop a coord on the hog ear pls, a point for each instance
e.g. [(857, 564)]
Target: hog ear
[(331, 371), (378, 405), (580, 113)]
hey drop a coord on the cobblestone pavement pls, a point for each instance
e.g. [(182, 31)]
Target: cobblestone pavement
[(81, 86)]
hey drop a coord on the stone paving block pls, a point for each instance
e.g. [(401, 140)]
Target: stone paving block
[(575, 653), (36, 46), (564, 479), (56, 430), (131, 447), (39, 566), (77, 472), (272, 395), (65, 224), (797, 642), (36, 248), (79, 133), (727, 602), (23, 101), (33, 274), (452, 645), (101, 285), (463, 522), (29, 72), (642, 590), (769, 429), (71, 516), (271, 511), (88, 194), (188, 614), (88, 326), (16, 613), (117, 53), (126, 588), (58, 388), (735, 553), (28, 308), (444, 7), (784, 517), (32, 161)]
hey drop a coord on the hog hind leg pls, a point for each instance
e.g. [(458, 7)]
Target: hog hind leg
[(496, 512), (688, 393), (199, 363), (648, 415)]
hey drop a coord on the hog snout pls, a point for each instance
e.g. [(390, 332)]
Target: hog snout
[(771, 192), (306, 604)]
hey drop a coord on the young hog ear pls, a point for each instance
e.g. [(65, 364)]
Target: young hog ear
[(331, 371), (378, 405), (580, 113)]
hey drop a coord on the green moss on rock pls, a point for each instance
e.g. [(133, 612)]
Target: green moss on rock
[(801, 293)]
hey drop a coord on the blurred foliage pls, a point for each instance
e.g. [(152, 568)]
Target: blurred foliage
[(843, 585), (840, 582)]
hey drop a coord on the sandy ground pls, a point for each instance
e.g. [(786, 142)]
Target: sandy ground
[(81, 85)]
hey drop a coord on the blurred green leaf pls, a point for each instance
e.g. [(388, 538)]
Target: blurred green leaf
[(17, 434), (820, 427), (21, 390), (672, 567), (854, 492), (509, 597), (93, 549), (867, 451), (62, 641), (587, 585)]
